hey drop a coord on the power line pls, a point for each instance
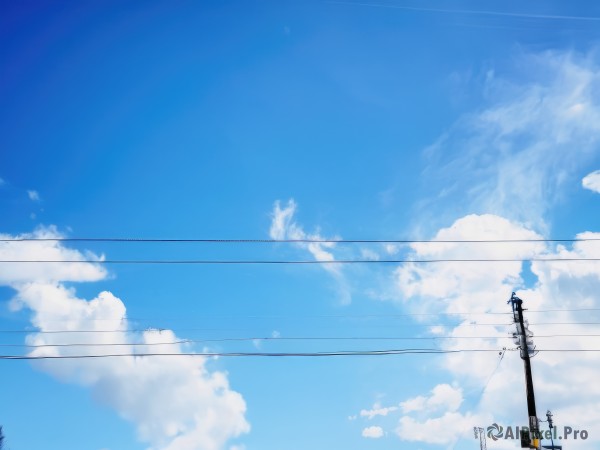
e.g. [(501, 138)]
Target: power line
[(159, 330), (560, 310), (470, 11), (328, 316), (297, 316), (257, 354), (290, 241), (291, 262), (269, 338), (283, 354), (480, 396)]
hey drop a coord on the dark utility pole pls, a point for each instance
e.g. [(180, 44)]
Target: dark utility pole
[(526, 346)]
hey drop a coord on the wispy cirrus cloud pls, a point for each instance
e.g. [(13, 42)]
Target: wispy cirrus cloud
[(284, 226), (516, 156), (473, 12), (497, 174)]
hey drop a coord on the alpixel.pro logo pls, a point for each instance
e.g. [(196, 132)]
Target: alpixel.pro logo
[(494, 431), (497, 432)]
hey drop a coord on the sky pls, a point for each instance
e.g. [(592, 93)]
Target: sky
[(296, 120)]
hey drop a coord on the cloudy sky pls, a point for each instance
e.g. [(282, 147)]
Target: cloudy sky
[(301, 120)]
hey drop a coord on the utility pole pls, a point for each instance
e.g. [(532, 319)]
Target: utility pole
[(551, 426), (479, 432), (526, 345)]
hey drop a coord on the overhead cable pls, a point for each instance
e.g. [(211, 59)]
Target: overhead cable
[(159, 330), (287, 241), (290, 262), (282, 354), (274, 339), (258, 354)]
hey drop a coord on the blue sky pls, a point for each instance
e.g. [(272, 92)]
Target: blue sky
[(312, 119)]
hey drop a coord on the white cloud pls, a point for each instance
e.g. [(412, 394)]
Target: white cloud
[(369, 254), (34, 196), (439, 285), (564, 382), (377, 410), (372, 432), (283, 226), (2, 182), (501, 169), (15, 274), (592, 181), (414, 404), (513, 157), (175, 402), (391, 249), (443, 398), (439, 430)]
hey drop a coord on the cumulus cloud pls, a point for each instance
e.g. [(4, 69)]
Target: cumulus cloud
[(438, 430), (176, 402), (372, 432), (495, 175), (592, 181), (284, 226), (438, 285), (565, 381), (443, 397), (436, 419), (19, 249)]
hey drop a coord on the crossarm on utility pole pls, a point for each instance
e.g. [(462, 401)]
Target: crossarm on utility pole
[(517, 305)]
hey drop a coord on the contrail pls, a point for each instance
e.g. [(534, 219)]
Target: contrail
[(469, 11)]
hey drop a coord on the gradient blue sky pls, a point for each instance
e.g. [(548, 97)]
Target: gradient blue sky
[(379, 119)]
